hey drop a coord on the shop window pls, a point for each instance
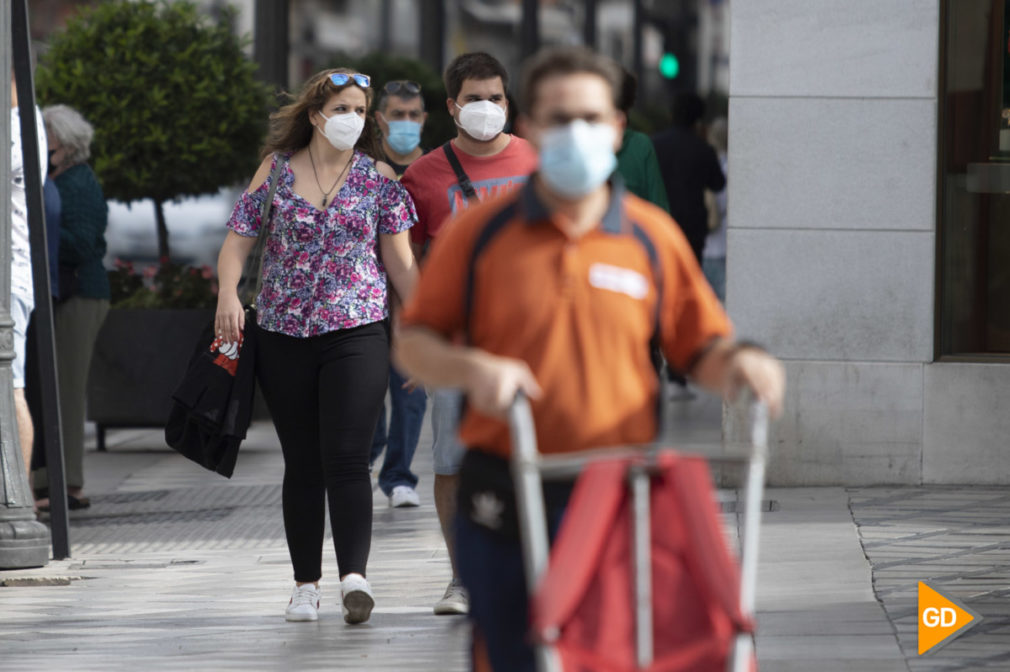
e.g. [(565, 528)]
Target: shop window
[(974, 180)]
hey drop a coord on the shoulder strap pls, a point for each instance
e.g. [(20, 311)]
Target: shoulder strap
[(487, 234), (657, 276), (655, 343), (461, 176), (254, 263)]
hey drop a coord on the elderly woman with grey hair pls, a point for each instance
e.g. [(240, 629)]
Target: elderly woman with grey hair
[(84, 285)]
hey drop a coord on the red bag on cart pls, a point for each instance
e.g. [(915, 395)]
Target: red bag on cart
[(587, 593)]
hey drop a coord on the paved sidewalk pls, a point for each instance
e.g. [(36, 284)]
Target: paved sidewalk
[(175, 568), (957, 539)]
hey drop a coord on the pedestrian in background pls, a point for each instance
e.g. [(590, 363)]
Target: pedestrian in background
[(33, 383), (400, 117), (338, 227), (481, 161), (636, 159), (689, 166), (714, 256), (84, 297), (573, 336), (22, 299)]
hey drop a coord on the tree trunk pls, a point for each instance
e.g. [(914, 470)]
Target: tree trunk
[(159, 217)]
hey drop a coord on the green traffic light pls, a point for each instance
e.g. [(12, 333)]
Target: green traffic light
[(669, 66)]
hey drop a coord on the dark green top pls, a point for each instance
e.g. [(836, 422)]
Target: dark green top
[(82, 229), (637, 164)]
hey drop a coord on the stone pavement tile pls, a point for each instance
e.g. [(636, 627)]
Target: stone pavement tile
[(816, 607), (824, 665), (960, 544), (815, 648), (184, 570)]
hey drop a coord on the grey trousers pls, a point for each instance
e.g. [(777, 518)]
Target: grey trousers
[(77, 322)]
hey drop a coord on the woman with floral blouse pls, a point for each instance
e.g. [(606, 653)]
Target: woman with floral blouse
[(338, 227)]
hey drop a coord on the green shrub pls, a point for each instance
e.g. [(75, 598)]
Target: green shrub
[(383, 67), (175, 103)]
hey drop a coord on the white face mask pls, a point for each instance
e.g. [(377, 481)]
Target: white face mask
[(481, 119), (343, 130)]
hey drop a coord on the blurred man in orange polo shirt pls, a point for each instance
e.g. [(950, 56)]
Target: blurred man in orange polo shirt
[(557, 289)]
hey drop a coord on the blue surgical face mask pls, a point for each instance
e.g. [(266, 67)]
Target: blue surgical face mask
[(577, 157), (404, 136)]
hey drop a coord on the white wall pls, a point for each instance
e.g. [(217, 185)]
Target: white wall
[(832, 189)]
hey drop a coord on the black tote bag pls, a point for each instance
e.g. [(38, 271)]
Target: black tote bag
[(212, 406)]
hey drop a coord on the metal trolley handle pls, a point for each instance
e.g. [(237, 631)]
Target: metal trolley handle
[(528, 470)]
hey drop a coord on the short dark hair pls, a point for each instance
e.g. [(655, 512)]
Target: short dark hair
[(475, 65), (688, 108), (384, 99), (629, 91), (567, 61)]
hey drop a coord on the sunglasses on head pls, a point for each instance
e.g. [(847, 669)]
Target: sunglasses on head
[(341, 78), (395, 87)]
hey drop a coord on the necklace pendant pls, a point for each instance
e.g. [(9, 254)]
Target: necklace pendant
[(324, 202)]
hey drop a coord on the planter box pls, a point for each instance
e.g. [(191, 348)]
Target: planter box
[(140, 357)]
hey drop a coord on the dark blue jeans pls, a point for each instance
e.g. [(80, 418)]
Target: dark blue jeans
[(404, 432), (491, 569)]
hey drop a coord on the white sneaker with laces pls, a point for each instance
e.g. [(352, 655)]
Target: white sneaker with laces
[(404, 495), (357, 599), (304, 603), (455, 601)]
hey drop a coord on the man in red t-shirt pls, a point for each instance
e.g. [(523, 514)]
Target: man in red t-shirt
[(489, 162)]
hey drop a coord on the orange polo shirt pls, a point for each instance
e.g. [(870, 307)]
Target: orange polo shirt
[(580, 312)]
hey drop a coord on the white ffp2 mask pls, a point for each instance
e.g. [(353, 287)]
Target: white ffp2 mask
[(343, 130), (481, 119)]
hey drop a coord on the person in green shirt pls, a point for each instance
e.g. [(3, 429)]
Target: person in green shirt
[(636, 160), (84, 284)]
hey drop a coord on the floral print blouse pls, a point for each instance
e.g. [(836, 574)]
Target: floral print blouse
[(321, 268)]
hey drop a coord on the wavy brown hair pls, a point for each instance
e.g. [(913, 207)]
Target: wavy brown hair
[(290, 129)]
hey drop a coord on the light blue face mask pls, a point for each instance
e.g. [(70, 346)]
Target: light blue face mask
[(404, 136), (577, 157)]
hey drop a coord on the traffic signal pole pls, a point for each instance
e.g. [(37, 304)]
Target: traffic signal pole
[(637, 34), (24, 542)]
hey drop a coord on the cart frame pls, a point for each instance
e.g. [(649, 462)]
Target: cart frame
[(530, 468)]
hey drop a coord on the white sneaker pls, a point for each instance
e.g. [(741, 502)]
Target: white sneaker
[(455, 600), (304, 603), (357, 599), (404, 495)]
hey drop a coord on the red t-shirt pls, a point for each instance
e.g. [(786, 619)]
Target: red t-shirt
[(432, 182)]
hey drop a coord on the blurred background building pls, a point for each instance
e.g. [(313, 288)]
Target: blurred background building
[(869, 182), (294, 38), (869, 190)]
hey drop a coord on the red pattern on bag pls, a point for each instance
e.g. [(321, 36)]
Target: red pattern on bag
[(228, 353)]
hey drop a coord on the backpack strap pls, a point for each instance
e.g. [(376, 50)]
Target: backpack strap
[(461, 177), (657, 278), (487, 234), (655, 342)]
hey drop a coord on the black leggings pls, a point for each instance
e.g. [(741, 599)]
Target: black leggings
[(325, 394)]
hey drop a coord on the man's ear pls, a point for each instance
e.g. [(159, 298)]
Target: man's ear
[(450, 106)]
